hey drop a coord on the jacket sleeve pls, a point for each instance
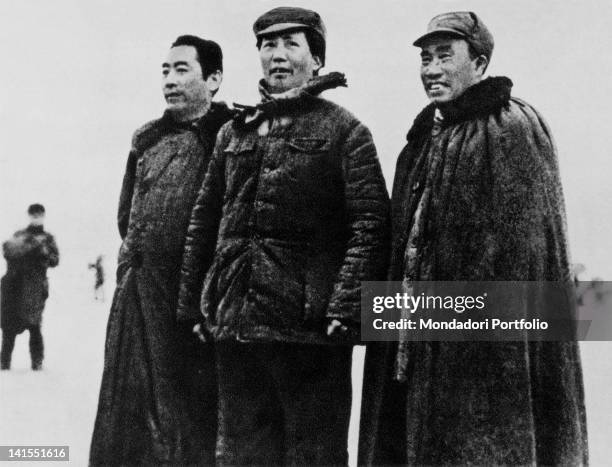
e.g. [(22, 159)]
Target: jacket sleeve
[(127, 190), (19, 246), (367, 204), (9, 249), (202, 236), (52, 252)]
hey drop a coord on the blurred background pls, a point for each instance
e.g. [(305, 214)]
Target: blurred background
[(80, 77)]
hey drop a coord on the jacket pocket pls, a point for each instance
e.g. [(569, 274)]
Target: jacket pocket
[(307, 162), (309, 145), (240, 167), (240, 156), (240, 146)]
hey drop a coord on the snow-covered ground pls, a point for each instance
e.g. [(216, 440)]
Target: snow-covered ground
[(57, 406)]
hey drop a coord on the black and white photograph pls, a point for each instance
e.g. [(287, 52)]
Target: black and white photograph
[(194, 195)]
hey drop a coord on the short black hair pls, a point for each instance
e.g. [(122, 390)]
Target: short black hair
[(316, 43), (36, 208), (208, 53)]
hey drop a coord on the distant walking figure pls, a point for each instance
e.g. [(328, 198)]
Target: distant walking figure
[(99, 285), (29, 252)]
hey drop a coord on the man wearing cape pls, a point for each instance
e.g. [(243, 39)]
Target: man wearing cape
[(476, 197)]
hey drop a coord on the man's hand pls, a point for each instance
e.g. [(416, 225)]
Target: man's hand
[(336, 328), (198, 330)]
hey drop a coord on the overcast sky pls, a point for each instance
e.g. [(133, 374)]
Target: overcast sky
[(80, 76)]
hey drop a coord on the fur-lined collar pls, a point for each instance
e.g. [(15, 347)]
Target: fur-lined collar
[(488, 96), (217, 115), (209, 124)]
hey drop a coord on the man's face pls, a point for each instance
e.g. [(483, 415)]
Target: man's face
[(187, 94), (37, 219), (286, 61), (447, 69)]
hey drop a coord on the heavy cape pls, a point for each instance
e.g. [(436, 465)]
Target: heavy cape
[(158, 394), (492, 209)]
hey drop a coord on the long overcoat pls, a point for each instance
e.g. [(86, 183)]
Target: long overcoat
[(490, 207), (157, 400), (25, 287)]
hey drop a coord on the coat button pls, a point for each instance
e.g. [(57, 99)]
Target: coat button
[(144, 186), (136, 259)]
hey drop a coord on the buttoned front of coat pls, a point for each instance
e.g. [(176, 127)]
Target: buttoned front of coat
[(289, 221)]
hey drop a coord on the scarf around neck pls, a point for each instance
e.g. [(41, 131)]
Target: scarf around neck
[(274, 104)]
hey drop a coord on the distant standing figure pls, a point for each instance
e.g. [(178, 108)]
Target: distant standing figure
[(29, 252), (99, 285)]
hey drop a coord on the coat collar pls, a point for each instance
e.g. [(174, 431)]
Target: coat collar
[(488, 96), (205, 127), (35, 229), (217, 115), (292, 100)]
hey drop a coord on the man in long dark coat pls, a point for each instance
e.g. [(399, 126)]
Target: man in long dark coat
[(293, 215), (29, 253), (476, 197), (158, 395)]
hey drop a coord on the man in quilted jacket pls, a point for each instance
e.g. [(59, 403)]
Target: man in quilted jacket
[(292, 216)]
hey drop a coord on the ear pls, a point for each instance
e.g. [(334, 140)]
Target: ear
[(481, 63), (214, 80), (317, 62)]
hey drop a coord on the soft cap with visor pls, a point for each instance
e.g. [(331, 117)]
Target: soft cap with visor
[(287, 18), (464, 24)]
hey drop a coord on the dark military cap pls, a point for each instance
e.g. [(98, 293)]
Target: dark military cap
[(283, 18), (463, 24), (36, 208)]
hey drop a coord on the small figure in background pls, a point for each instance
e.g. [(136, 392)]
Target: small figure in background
[(29, 252), (99, 285)]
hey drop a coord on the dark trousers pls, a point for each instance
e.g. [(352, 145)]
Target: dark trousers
[(37, 348), (283, 404)]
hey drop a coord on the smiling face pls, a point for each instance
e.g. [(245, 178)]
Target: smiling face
[(447, 69), (187, 94), (286, 61)]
